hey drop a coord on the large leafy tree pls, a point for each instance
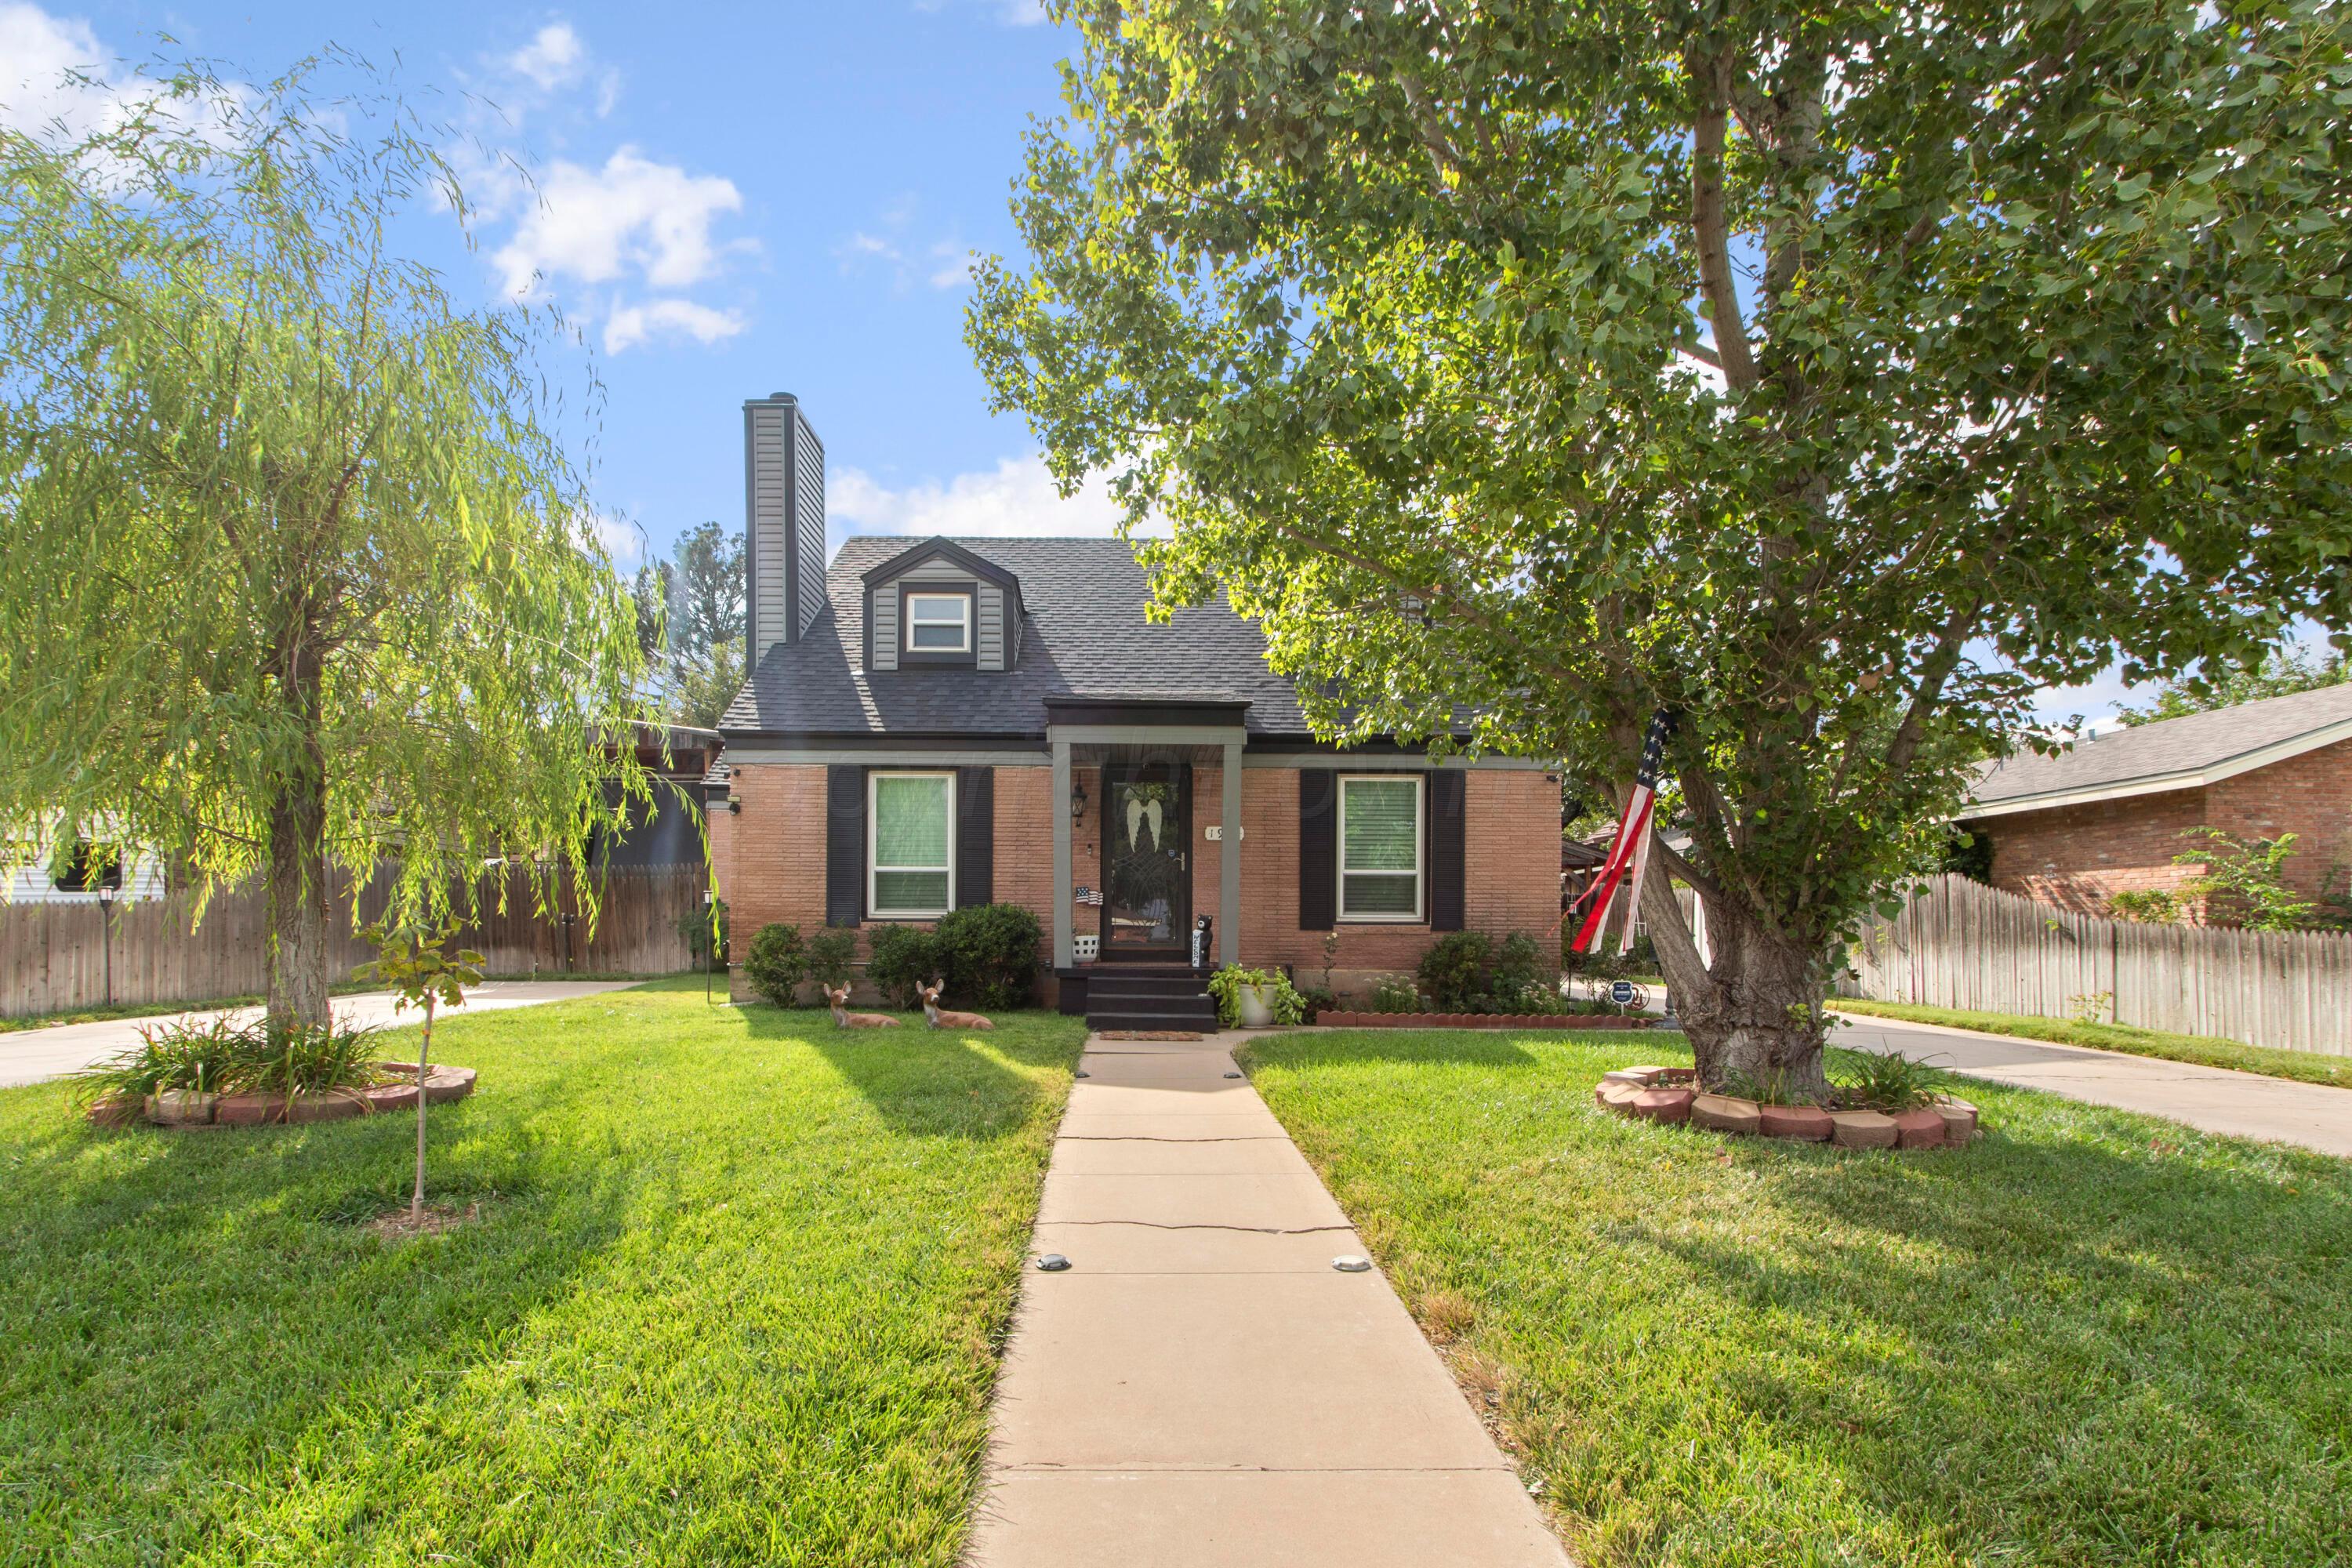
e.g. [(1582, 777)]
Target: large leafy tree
[(297, 571), (1831, 375), (2282, 673), (690, 623)]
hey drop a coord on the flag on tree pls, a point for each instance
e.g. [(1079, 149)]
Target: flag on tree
[(1630, 849)]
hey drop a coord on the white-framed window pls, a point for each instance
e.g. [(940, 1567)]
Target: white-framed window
[(1380, 847), (939, 623), (910, 845)]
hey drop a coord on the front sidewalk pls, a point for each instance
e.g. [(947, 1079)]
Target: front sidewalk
[(2212, 1100), (1201, 1386)]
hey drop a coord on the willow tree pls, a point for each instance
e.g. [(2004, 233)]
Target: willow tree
[(1834, 375), (299, 574)]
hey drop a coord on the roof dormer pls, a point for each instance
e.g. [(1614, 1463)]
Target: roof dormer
[(938, 603)]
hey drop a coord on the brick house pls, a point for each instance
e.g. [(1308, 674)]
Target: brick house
[(941, 722), (2108, 815)]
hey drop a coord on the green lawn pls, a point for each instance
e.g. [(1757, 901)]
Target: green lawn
[(2093, 1337), (736, 1297), (2205, 1050)]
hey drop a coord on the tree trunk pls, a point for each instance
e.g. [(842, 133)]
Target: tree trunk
[(297, 902), (1755, 1010), (423, 1054)]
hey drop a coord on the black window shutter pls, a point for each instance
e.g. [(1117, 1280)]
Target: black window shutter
[(975, 836), (1318, 864), (1445, 813), (844, 846)]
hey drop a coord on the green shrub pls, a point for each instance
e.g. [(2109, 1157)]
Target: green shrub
[(901, 958), (777, 962), (1520, 983), (1888, 1082), (1393, 993), (217, 1056), (832, 952), (1319, 1000), (1454, 970), (694, 929), (2150, 906), (991, 954)]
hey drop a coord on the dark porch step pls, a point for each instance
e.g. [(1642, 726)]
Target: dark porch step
[(1193, 1023), (1146, 988)]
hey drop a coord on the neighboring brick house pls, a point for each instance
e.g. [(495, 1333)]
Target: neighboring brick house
[(2108, 815), (935, 723)]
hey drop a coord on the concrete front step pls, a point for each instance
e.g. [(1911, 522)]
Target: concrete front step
[(1153, 1018)]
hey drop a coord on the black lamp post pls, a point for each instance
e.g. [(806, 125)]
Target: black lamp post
[(106, 935)]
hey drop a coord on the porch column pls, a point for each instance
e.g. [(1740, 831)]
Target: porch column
[(1229, 860), (1065, 950)]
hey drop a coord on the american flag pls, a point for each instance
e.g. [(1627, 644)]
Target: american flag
[(1631, 848)]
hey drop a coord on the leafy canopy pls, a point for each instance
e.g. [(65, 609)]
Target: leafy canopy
[(2283, 672), (2019, 338), (298, 554)]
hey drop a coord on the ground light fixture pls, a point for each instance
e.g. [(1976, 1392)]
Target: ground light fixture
[(1053, 1263)]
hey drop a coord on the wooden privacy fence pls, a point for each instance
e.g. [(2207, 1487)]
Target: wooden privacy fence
[(1962, 944), (55, 956)]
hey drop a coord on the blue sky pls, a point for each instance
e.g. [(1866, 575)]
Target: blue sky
[(736, 200)]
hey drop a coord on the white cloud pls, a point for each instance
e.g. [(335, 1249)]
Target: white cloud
[(558, 59), (1012, 13), (631, 219), (944, 264), (623, 541), (630, 325), (37, 52), (59, 84), (1017, 497)]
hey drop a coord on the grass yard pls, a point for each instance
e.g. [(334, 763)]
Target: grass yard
[(2093, 1337), (735, 1296), (2205, 1050)]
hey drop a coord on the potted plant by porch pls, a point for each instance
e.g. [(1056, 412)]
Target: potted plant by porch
[(1256, 998)]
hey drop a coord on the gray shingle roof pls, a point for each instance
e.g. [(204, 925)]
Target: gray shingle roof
[(2186, 749), (1086, 635)]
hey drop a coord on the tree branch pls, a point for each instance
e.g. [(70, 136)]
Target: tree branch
[(1708, 224)]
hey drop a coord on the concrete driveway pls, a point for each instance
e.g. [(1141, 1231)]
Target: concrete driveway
[(34, 1055), (2212, 1100)]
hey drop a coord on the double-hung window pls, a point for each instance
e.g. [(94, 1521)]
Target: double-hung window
[(939, 623), (1380, 847), (911, 848)]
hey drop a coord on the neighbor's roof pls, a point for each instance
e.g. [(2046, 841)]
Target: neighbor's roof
[(1085, 636), (2175, 753)]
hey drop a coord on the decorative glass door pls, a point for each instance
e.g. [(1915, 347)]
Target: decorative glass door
[(1147, 860)]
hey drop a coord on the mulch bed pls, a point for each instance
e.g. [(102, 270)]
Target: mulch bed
[(1672, 1095), (1479, 1021), (395, 1225)]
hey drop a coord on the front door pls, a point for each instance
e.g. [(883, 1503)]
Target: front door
[(1147, 858)]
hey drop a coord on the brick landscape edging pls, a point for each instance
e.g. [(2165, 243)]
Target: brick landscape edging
[(1672, 1095), (1479, 1021), (442, 1085)]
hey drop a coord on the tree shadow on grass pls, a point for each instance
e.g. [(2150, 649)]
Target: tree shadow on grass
[(2051, 1344), (1466, 1047), (178, 1311), (935, 1083)]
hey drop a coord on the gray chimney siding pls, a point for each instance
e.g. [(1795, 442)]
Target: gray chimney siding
[(784, 522)]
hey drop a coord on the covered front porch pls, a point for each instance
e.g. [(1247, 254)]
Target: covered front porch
[(1146, 806)]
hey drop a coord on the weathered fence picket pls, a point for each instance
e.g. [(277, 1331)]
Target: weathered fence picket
[(55, 956), (1962, 944)]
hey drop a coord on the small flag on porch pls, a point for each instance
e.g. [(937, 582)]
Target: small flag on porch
[(1630, 850)]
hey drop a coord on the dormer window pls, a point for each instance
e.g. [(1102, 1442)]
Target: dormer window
[(939, 623)]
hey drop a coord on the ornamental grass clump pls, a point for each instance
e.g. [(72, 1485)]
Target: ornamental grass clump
[(217, 1056)]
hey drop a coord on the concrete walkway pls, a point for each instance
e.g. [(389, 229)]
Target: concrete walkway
[(2212, 1099), (1201, 1387), (33, 1055)]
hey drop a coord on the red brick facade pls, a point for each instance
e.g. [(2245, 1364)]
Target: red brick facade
[(2079, 857), (770, 861)]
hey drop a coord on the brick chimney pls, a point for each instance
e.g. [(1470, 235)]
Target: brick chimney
[(784, 523)]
